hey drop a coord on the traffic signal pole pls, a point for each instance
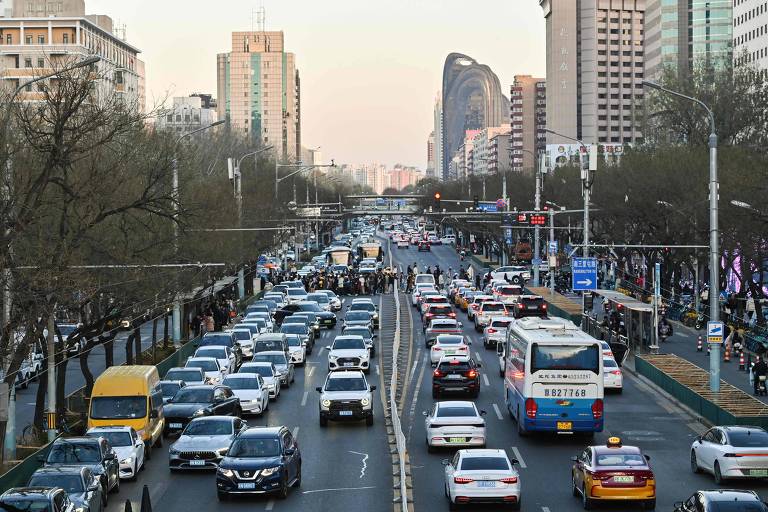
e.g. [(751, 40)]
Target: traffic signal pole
[(536, 234)]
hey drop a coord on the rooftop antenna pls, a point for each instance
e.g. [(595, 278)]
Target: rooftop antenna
[(261, 16)]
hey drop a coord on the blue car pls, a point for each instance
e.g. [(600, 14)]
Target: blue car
[(262, 460)]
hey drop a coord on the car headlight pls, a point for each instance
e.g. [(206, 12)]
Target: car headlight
[(332, 358), (173, 451), (222, 452), (326, 403), (127, 461), (226, 472), (365, 402), (199, 412), (375, 316), (270, 471), (81, 509)]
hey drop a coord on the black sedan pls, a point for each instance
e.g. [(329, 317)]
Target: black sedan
[(197, 401), (82, 486), (92, 453), (36, 498), (327, 319), (722, 500), (262, 460)]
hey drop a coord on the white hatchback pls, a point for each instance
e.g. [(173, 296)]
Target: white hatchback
[(213, 371), (251, 390), (455, 423), (482, 476), (612, 376), (448, 345)]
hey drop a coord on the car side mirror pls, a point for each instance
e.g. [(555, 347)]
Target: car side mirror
[(110, 456), (461, 324), (479, 365), (289, 451), (483, 413), (319, 389), (445, 462), (514, 461), (373, 388), (574, 459), (647, 457), (678, 505), (328, 348), (153, 414), (698, 439)]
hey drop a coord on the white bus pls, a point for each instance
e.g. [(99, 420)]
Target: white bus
[(553, 376)]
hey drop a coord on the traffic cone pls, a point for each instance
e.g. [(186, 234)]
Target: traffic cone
[(727, 354), (742, 363), (699, 344)]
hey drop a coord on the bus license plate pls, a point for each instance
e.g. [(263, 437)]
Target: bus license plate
[(564, 425), (623, 479), (345, 413), (247, 485), (758, 472), (174, 425), (197, 463), (486, 483)]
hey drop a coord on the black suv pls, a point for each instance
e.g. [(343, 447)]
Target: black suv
[(529, 305), (456, 373), (327, 319), (195, 401), (36, 498), (260, 460), (82, 486), (93, 453)]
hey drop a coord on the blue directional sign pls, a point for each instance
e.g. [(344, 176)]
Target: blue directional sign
[(715, 332), (553, 247), (487, 206), (584, 272)]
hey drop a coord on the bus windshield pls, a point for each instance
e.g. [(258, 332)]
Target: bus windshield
[(565, 357)]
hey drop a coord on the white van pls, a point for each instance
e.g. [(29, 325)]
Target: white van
[(425, 279)]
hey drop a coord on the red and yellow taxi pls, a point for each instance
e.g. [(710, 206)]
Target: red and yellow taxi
[(462, 297), (613, 472)]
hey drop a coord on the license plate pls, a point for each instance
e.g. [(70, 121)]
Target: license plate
[(197, 463), (328, 321), (453, 377), (758, 472), (532, 307), (174, 425), (564, 425), (457, 439), (247, 485), (623, 479), (486, 483), (345, 413), (348, 364)]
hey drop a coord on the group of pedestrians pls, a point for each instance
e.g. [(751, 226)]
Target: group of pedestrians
[(214, 315)]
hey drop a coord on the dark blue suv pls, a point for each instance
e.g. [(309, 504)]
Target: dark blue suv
[(261, 460)]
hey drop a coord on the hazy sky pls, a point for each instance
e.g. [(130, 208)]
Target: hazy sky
[(370, 70)]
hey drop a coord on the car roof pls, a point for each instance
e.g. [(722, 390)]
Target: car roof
[(209, 387), (348, 337), (730, 495), (739, 428), (603, 449), (30, 492), (456, 357), (202, 419), (346, 374), (502, 318), (241, 376), (256, 363), (261, 432), (455, 403), (67, 470), (362, 300), (76, 440), (482, 452), (201, 358), (185, 368), (114, 428), (270, 353)]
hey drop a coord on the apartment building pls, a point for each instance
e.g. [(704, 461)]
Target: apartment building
[(750, 32), (188, 114), (482, 161), (528, 115)]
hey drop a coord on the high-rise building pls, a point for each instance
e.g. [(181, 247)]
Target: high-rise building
[(594, 70), (258, 91), (481, 149), (528, 117), (472, 100), (678, 33), (188, 114), (41, 36), (6, 8), (499, 151), (431, 155), (750, 32), (440, 164)]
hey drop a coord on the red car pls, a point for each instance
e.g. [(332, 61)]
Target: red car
[(424, 246)]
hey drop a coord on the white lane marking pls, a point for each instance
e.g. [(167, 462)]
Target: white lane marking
[(519, 457), (365, 462), (479, 357), (340, 489), (270, 505), (498, 412), (485, 380), (295, 432), (376, 368), (304, 398), (321, 349), (417, 389), (311, 371), (545, 509)]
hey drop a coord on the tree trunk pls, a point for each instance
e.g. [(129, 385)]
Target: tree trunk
[(87, 375), (109, 351), (137, 341), (42, 388), (165, 331), (61, 373), (129, 349), (154, 340)]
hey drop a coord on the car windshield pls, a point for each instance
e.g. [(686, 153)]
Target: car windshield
[(277, 359), (493, 307), (206, 366), (348, 344), (565, 357), (320, 298), (296, 292), (209, 428), (242, 382), (484, 463), (67, 453), (510, 290), (310, 307), (450, 411), (118, 407), (193, 396), (25, 505), (502, 324), (620, 459), (216, 339), (357, 315), (294, 329), (265, 345), (450, 341), (264, 371), (362, 306), (748, 439), (218, 353), (609, 363), (247, 448), (346, 384), (358, 331), (192, 375), (73, 484), (293, 341), (115, 439), (242, 335), (735, 506)]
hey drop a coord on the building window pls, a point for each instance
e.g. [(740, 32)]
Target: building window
[(29, 39), (41, 87), (27, 62), (28, 87), (9, 39), (40, 39), (66, 38), (178, 118), (41, 63), (169, 118)]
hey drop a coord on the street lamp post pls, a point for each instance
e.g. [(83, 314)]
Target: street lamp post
[(551, 267), (714, 231)]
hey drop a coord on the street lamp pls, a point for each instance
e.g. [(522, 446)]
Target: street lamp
[(302, 168), (695, 253), (586, 184), (714, 242)]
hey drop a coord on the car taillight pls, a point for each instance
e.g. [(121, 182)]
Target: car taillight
[(437, 373), (436, 349), (531, 408), (509, 480), (429, 315), (462, 480), (491, 330), (597, 409), (471, 374), (616, 372), (452, 315), (543, 306), (520, 306), (474, 306)]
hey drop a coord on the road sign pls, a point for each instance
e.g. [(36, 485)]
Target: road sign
[(488, 206), (508, 236), (553, 247), (715, 331), (584, 272)]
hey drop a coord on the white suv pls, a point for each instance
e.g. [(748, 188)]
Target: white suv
[(346, 396), (487, 311), (348, 352), (515, 274)]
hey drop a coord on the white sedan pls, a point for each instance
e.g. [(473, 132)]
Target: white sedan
[(297, 349), (213, 371), (448, 345), (223, 354), (731, 452), (128, 447), (455, 423), (481, 476), (612, 376), (419, 289), (251, 390)]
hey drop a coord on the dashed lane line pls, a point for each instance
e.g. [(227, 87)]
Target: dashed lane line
[(270, 505), (295, 432), (340, 489), (498, 412), (485, 380), (304, 399), (478, 356), (519, 457)]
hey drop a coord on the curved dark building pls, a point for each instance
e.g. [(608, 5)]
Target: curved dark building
[(472, 100)]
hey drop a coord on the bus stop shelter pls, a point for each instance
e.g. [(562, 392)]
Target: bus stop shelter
[(635, 318)]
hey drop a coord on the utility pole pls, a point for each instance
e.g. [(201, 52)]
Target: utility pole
[(51, 377), (536, 234), (551, 257)]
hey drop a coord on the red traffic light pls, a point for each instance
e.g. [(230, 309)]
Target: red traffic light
[(437, 195), (538, 220)]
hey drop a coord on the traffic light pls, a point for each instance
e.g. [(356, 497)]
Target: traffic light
[(538, 219), (437, 201), (476, 201)]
